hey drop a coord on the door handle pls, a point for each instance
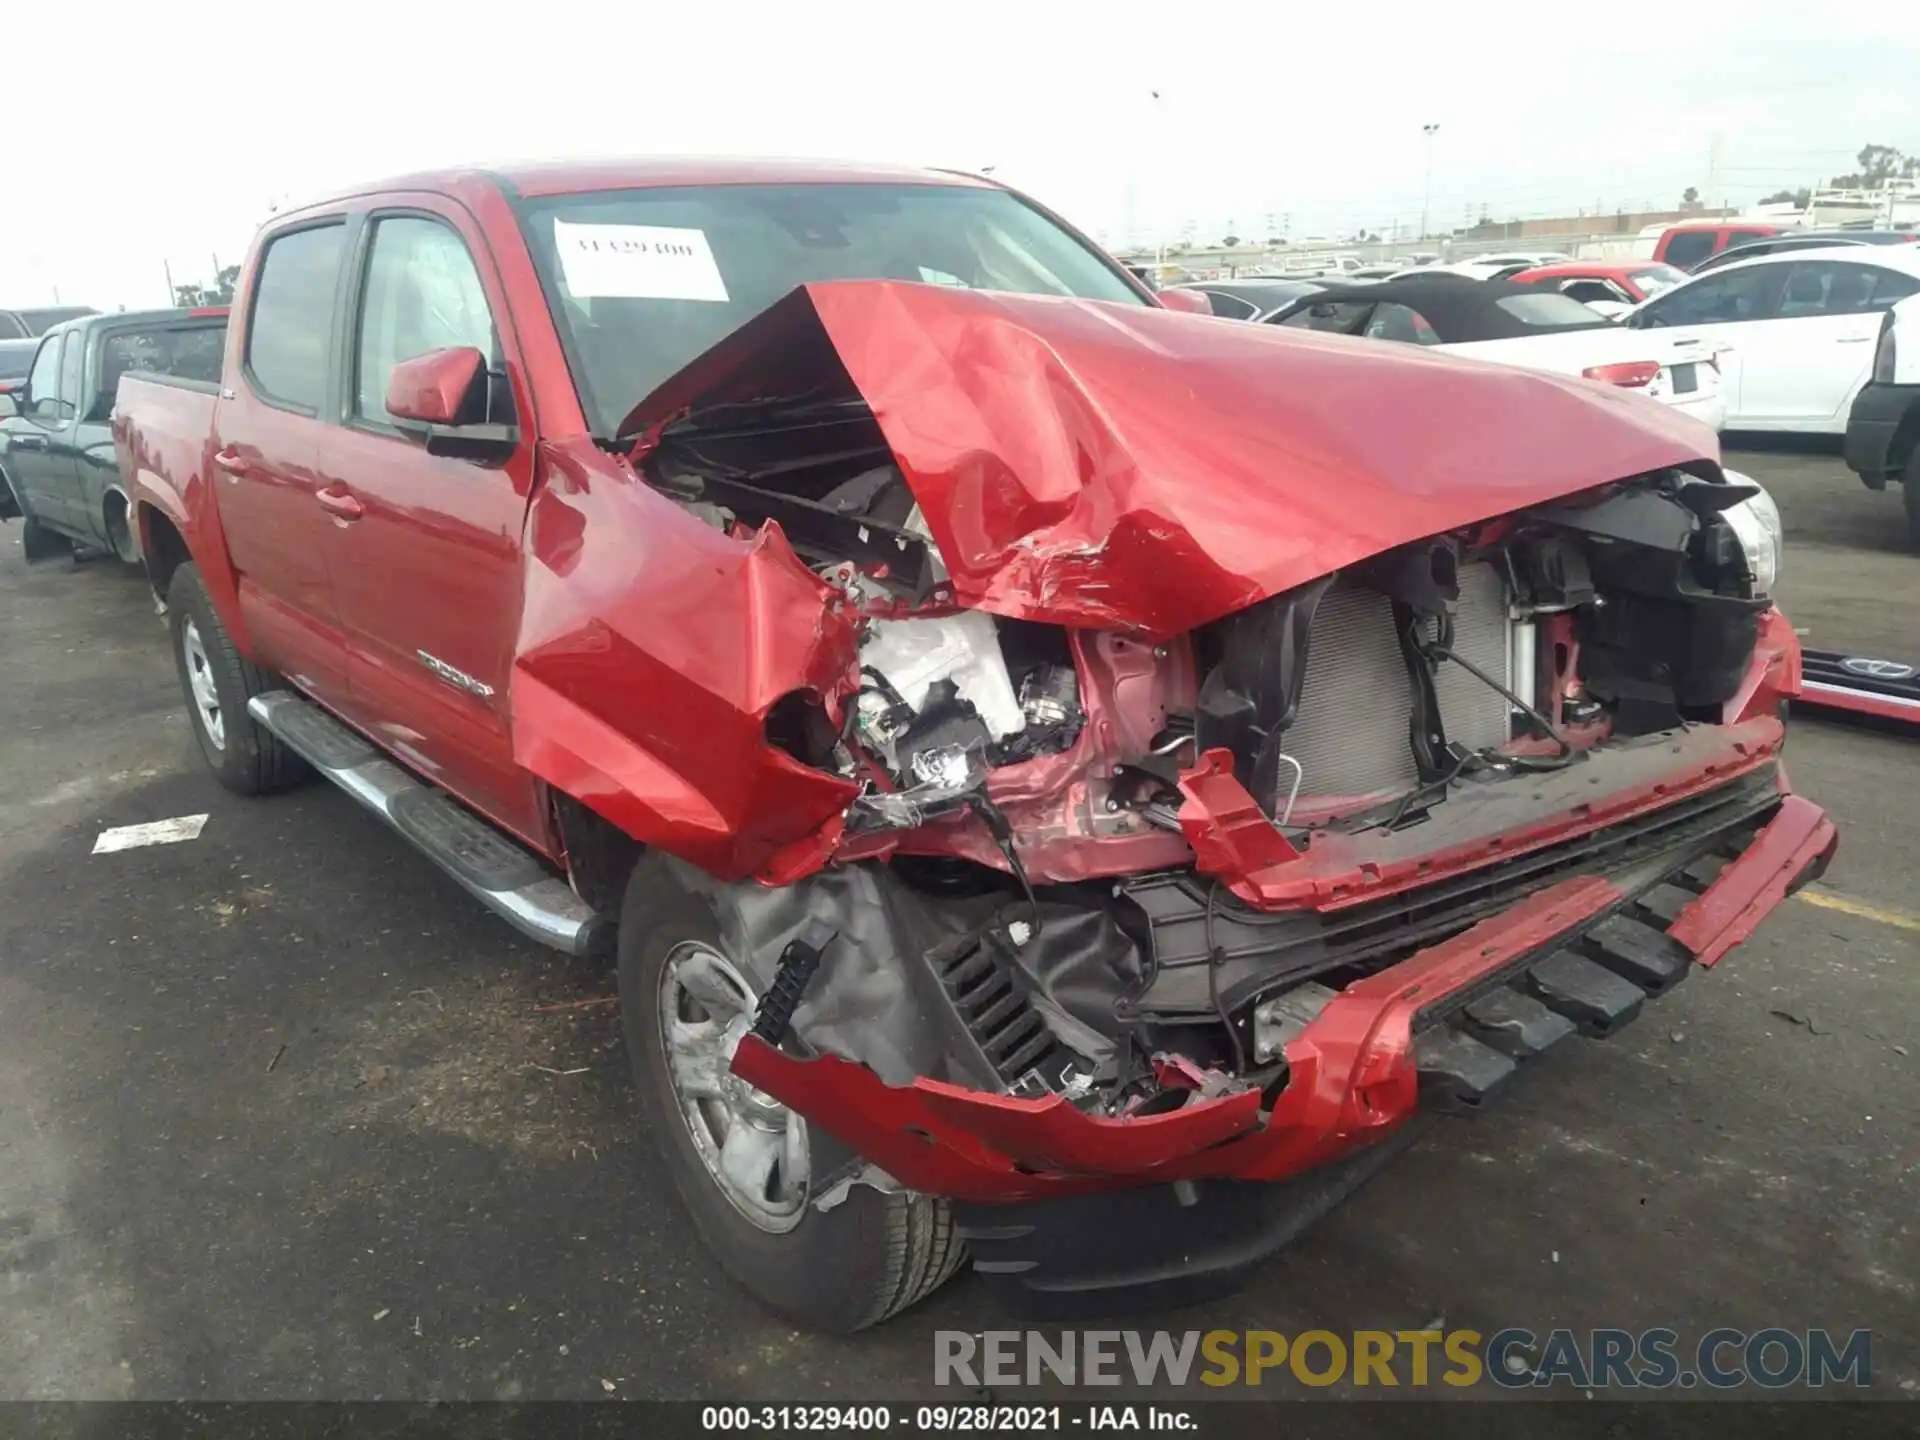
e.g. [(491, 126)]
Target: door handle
[(232, 462), (29, 442), (340, 502), (1854, 339)]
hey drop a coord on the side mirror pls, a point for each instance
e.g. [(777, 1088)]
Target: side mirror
[(1191, 302), (439, 387), (444, 392)]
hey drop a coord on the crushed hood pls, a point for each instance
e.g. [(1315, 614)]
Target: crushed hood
[(1099, 465)]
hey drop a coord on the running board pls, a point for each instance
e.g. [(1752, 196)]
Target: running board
[(497, 871)]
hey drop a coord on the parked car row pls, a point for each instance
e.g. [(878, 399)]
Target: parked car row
[(1032, 756), (57, 467), (1707, 244), (1510, 324), (1799, 334)]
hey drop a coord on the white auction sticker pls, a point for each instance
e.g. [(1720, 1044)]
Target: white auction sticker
[(637, 262)]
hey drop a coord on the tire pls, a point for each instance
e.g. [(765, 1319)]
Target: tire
[(839, 1270), (217, 682), (1910, 497), (117, 525)]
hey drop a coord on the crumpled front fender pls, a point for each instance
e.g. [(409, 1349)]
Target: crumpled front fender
[(652, 648)]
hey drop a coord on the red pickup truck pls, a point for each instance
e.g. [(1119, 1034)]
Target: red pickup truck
[(1038, 759)]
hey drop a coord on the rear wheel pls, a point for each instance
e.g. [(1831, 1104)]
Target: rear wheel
[(217, 682), (741, 1161)]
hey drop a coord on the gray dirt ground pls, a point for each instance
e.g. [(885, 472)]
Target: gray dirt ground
[(411, 1202)]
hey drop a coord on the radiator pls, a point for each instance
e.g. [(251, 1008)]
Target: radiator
[(1350, 734)]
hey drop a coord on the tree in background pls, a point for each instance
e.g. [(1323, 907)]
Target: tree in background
[(1878, 164), (1230, 242), (1689, 198), (1799, 198), (220, 292)]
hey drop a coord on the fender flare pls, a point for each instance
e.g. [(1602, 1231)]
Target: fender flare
[(132, 520), (197, 522)]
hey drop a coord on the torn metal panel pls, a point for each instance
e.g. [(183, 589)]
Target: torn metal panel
[(959, 988), (652, 647), (1131, 468)]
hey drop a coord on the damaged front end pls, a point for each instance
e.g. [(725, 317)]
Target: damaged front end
[(1198, 773)]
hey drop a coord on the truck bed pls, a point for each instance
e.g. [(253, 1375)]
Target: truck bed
[(162, 425)]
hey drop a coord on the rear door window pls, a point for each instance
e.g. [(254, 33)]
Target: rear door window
[(291, 329), (1689, 248), (1741, 237), (1890, 287), (1826, 287)]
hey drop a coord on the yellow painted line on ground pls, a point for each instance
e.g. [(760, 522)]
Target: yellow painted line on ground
[(1827, 900)]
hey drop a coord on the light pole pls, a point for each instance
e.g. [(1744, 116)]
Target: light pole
[(1426, 198)]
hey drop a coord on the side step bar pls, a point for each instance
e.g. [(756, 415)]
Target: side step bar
[(496, 870)]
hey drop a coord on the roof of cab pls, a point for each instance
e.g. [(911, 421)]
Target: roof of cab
[(646, 172)]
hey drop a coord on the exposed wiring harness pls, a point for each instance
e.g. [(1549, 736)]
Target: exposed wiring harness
[(1216, 957), (995, 819), (1423, 655)]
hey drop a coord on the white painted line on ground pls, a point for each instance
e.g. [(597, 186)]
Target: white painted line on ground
[(155, 832)]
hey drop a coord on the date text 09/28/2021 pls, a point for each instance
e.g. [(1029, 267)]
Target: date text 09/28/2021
[(945, 1419)]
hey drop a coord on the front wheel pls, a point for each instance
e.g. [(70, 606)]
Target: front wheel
[(741, 1161), (217, 682)]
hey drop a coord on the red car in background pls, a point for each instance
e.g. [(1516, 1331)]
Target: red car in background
[(1604, 283)]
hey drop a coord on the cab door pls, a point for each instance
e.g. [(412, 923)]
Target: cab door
[(266, 438), (1807, 363), (38, 452), (426, 557)]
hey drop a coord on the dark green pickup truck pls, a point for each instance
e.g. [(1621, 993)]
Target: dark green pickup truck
[(57, 468)]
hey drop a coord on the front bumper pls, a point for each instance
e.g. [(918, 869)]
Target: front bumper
[(1871, 426), (1444, 1027)]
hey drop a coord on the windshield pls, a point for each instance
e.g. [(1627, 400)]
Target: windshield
[(1655, 278), (1549, 310), (644, 280)]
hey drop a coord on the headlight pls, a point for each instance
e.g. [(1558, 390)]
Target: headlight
[(1756, 523)]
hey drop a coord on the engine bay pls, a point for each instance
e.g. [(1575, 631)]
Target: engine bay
[(1511, 646)]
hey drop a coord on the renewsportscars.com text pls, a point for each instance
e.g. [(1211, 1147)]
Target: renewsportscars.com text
[(1773, 1358)]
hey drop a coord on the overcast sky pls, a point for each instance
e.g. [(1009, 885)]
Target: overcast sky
[(183, 121)]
